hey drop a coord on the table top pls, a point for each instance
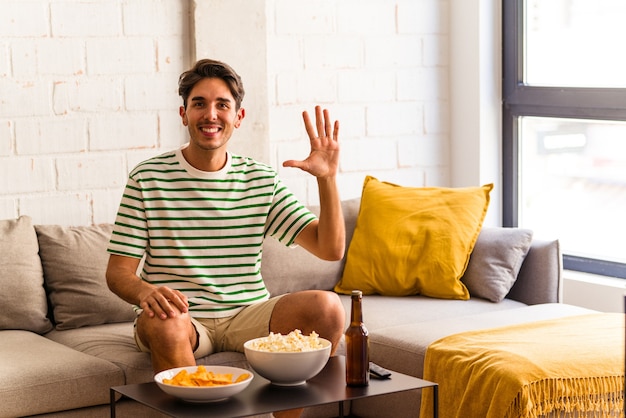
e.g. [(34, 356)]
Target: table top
[(262, 397)]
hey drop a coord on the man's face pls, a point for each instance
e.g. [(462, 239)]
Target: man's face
[(211, 116)]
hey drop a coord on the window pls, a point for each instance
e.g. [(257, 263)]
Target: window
[(564, 127)]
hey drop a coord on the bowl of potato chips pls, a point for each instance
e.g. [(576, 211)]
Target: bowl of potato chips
[(203, 383), (288, 360)]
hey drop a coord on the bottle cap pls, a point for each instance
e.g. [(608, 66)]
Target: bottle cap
[(357, 293)]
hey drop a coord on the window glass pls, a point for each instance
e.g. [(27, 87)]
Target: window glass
[(573, 184), (575, 43)]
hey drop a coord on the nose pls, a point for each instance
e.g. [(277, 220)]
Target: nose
[(211, 112)]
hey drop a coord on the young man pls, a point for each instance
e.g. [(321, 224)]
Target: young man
[(199, 214)]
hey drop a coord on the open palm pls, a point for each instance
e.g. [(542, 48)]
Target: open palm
[(323, 161)]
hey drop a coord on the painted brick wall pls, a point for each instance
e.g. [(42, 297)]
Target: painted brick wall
[(88, 89), (382, 68)]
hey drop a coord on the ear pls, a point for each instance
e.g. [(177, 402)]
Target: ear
[(183, 115), (241, 113)]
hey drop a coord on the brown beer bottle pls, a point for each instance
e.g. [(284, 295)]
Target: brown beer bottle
[(357, 345)]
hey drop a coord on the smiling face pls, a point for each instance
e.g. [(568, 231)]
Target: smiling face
[(211, 116)]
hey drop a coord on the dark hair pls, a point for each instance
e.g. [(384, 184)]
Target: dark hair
[(207, 68)]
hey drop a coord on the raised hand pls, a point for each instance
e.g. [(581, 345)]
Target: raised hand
[(323, 161)]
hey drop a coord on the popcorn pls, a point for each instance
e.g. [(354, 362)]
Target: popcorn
[(292, 342)]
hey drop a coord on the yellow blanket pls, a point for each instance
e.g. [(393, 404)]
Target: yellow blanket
[(564, 365)]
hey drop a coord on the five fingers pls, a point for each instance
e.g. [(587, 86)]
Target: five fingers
[(323, 124)]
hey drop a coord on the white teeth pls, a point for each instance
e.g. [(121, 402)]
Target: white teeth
[(210, 130)]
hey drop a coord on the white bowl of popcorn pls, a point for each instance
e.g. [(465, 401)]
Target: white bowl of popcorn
[(288, 360)]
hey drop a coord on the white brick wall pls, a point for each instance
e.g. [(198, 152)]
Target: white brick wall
[(85, 87), (6, 135), (89, 89), (382, 69)]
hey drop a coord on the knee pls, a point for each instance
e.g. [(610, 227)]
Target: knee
[(330, 304), (164, 331), (333, 303)]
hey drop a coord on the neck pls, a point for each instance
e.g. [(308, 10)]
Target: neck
[(205, 160)]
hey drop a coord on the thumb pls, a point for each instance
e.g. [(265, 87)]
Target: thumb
[(294, 163)]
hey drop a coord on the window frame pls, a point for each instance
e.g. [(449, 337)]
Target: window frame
[(519, 99)]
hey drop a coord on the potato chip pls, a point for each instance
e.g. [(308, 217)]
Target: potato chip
[(242, 377), (203, 377)]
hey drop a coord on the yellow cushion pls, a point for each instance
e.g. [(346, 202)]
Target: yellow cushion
[(413, 240)]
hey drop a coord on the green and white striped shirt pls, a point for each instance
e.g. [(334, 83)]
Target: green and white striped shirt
[(202, 232)]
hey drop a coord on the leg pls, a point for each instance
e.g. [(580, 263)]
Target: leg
[(171, 341), (310, 310)]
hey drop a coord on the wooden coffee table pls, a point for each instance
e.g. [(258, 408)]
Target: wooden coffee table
[(261, 397)]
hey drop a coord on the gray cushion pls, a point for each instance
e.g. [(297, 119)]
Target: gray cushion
[(380, 312), (496, 261), (282, 267), (74, 261), (23, 297), (115, 343), (111, 342), (39, 376)]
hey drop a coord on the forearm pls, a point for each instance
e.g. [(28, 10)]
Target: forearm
[(331, 230), (326, 237), (123, 281)]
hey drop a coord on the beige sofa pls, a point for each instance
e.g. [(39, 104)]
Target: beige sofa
[(65, 339)]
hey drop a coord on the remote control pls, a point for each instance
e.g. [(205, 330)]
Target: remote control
[(378, 372)]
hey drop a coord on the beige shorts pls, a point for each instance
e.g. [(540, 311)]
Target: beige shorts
[(228, 334)]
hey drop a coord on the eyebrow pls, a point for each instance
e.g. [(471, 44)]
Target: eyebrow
[(219, 99)]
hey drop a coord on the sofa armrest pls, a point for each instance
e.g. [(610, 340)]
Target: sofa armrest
[(540, 278)]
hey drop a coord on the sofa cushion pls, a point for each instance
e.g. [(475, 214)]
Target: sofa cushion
[(40, 375), (74, 261), (23, 297), (381, 312), (413, 240), (111, 342), (403, 347), (496, 261), (282, 266), (115, 343)]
